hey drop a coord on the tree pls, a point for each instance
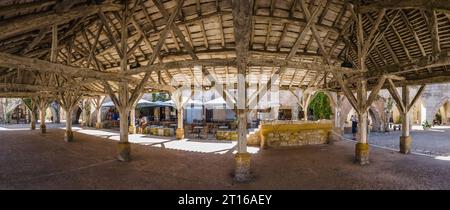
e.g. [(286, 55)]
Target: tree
[(320, 106)]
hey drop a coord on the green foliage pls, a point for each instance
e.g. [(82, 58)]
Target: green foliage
[(320, 106), (438, 117), (27, 102), (398, 120), (426, 124), (389, 104), (159, 97)]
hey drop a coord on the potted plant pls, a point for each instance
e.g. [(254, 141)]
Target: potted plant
[(426, 125)]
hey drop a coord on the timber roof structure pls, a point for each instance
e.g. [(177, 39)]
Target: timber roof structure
[(48, 46)]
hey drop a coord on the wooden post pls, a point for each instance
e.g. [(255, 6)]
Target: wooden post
[(156, 114), (132, 128), (33, 119), (305, 104), (180, 126), (362, 147), (167, 113), (98, 123), (42, 110), (98, 108), (405, 139), (68, 137), (337, 128), (33, 113), (124, 149), (86, 112), (242, 19)]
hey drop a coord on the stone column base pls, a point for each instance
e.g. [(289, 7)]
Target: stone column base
[(131, 130), (242, 170), (98, 125), (124, 151), (43, 128), (405, 144), (334, 136), (179, 133), (33, 126), (362, 153), (68, 136)]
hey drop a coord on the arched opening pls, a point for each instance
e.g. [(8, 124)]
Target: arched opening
[(77, 113), (442, 116), (320, 106), (374, 121)]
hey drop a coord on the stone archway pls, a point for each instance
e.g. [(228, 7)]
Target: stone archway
[(376, 119), (436, 108), (332, 100), (76, 115)]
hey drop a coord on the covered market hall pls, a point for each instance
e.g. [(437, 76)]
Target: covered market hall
[(224, 94)]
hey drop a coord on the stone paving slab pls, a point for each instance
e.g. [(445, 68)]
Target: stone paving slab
[(30, 160)]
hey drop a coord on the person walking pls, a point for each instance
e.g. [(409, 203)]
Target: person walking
[(354, 126)]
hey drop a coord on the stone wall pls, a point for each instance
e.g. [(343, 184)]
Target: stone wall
[(281, 134)]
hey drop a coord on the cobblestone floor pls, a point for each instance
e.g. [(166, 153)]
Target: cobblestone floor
[(435, 142), (31, 160)]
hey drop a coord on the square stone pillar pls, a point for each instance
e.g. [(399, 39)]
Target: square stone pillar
[(295, 111), (167, 113)]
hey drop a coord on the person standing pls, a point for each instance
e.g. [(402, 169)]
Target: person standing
[(354, 126)]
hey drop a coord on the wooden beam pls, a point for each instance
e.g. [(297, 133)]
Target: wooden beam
[(32, 64), (405, 4), (155, 54), (54, 50), (394, 93), (109, 33), (417, 96), (434, 31), (302, 35), (41, 20), (375, 91), (175, 29)]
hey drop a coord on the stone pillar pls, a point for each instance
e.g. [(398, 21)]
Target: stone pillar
[(180, 127), (362, 147), (68, 137), (124, 149), (405, 139), (294, 112), (33, 120), (42, 113), (275, 112), (132, 128)]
